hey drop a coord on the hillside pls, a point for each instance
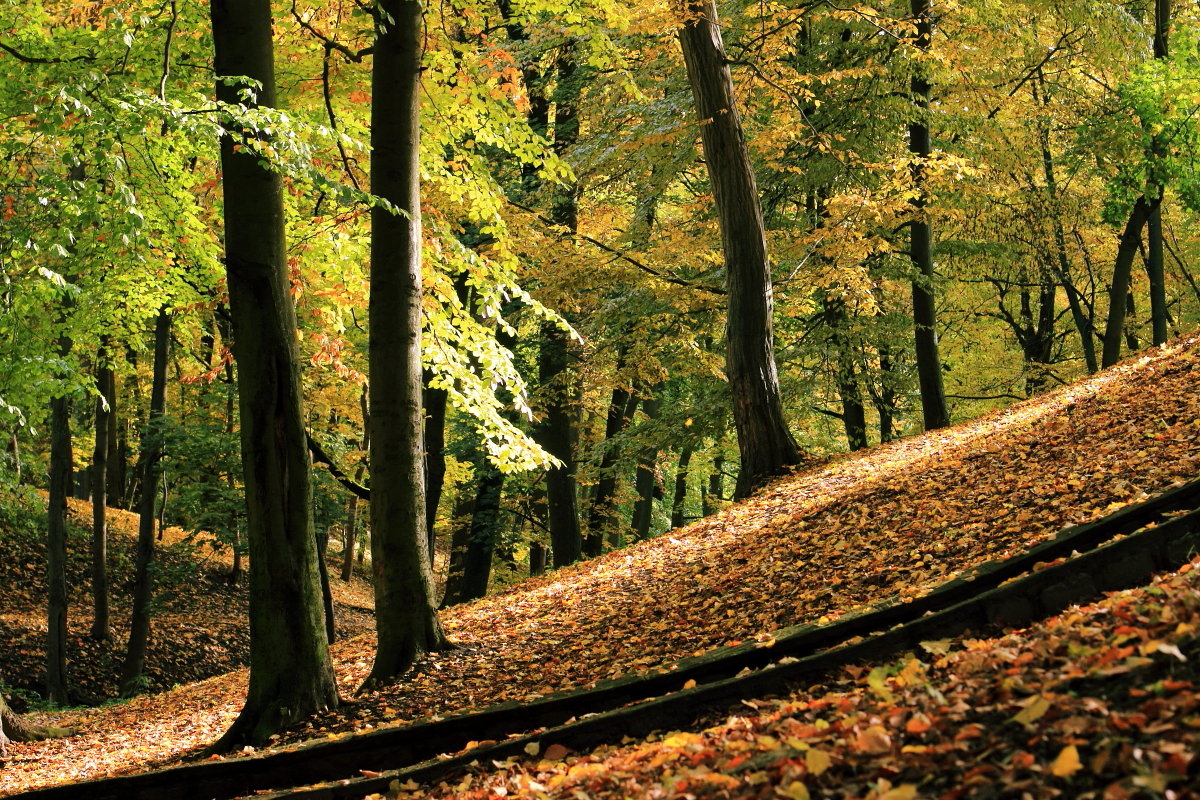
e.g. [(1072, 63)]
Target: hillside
[(199, 622), (890, 522)]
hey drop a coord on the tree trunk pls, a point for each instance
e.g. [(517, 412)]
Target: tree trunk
[(929, 362), (764, 441), (1154, 189), (460, 534), (646, 479), (291, 675), (555, 433), (56, 549), (105, 428), (1127, 249), (601, 514), (484, 532), (16, 728), (149, 461), (434, 401), (681, 483), (405, 613), (854, 413)]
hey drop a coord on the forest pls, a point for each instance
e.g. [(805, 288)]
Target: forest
[(423, 357)]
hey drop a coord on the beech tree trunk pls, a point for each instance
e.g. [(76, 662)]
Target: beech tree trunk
[(434, 401), (291, 675), (149, 466), (1118, 291), (601, 514), (405, 612), (1154, 234), (681, 484), (556, 434), (764, 441), (484, 532), (56, 549), (646, 479), (929, 362), (105, 432)]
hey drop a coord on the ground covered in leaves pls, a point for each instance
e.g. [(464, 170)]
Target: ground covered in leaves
[(199, 617), (891, 522), (1099, 702)]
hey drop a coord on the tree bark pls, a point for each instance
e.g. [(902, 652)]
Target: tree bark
[(556, 434), (434, 401), (929, 362), (405, 611), (1127, 249), (149, 467), (646, 479), (601, 516), (766, 445), (105, 428), (56, 549), (484, 533), (291, 675), (1154, 189), (681, 483)]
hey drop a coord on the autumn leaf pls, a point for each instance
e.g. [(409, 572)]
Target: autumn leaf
[(1067, 762), (793, 791), (1034, 708), (817, 761)]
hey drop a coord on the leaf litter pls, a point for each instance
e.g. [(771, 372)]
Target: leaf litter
[(885, 524)]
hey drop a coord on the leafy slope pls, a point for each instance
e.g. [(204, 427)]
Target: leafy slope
[(1100, 701), (198, 628), (896, 520)]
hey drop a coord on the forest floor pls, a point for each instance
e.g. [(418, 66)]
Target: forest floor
[(894, 521)]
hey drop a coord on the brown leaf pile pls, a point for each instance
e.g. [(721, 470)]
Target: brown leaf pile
[(893, 521)]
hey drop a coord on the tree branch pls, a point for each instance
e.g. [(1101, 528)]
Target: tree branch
[(321, 457)]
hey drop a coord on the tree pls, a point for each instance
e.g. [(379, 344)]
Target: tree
[(929, 362), (150, 460), (106, 428), (291, 675), (405, 612), (764, 441)]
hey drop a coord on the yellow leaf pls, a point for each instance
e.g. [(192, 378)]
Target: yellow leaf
[(683, 739), (533, 748), (817, 761), (690, 683), (793, 791), (1034, 709), (905, 791), (1067, 763)]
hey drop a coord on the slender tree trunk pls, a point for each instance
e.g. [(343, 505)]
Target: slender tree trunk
[(1127, 249), (764, 441), (1154, 235), (1083, 322), (291, 675), (646, 480), (484, 532), (460, 535), (601, 514), (681, 485), (105, 418), (351, 529), (405, 612), (929, 362), (434, 401), (854, 413), (149, 466), (56, 549)]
